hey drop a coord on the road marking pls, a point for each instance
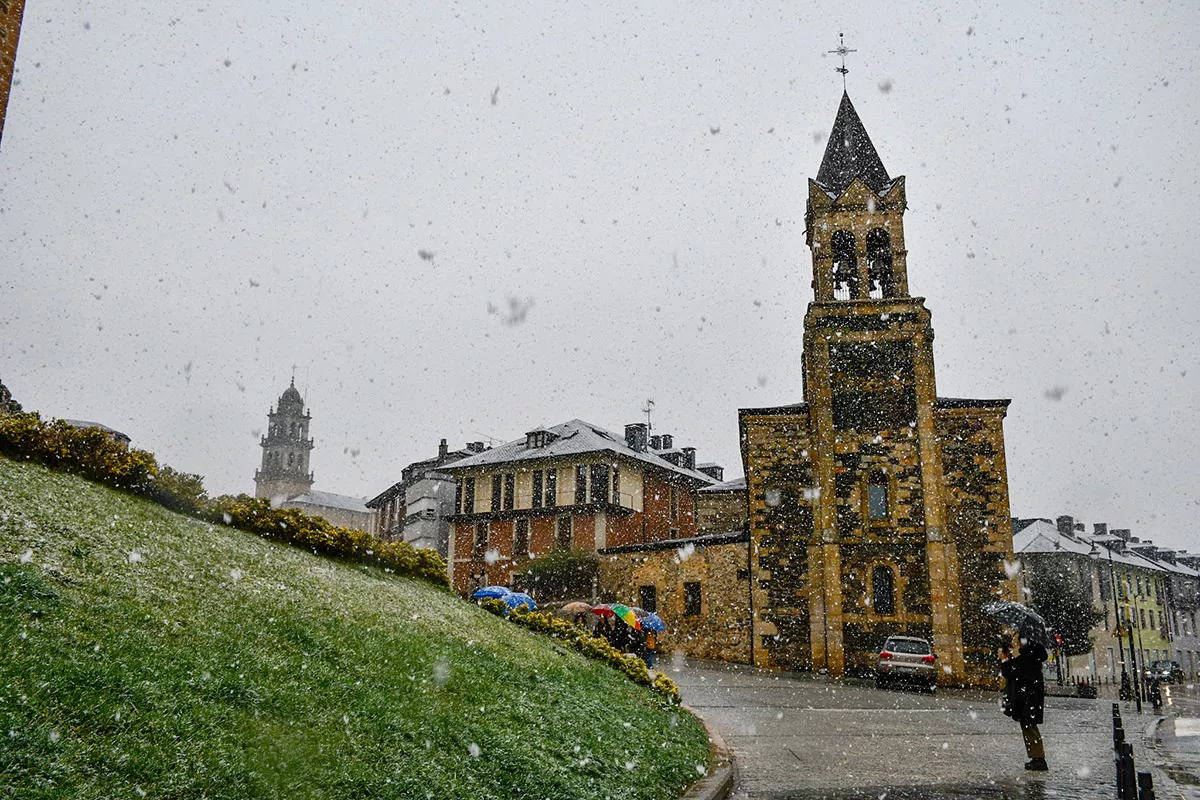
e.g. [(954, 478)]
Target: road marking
[(1186, 726)]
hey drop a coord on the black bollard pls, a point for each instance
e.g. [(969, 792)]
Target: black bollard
[(1145, 782), (1126, 773)]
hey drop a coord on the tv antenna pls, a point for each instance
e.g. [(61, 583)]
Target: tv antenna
[(649, 407)]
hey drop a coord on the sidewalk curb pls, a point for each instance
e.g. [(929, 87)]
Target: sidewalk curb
[(719, 782), (1150, 735)]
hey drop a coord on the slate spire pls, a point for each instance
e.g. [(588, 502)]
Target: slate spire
[(850, 154)]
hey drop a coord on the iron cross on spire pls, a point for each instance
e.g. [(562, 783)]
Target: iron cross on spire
[(842, 51)]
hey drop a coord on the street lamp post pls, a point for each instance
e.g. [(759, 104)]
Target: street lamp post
[(1117, 620)]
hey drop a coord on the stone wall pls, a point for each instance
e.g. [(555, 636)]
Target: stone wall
[(721, 630), (10, 30), (978, 524), (778, 468)]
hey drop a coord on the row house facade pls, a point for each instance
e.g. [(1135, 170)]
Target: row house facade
[(574, 486), (417, 508), (1147, 599)]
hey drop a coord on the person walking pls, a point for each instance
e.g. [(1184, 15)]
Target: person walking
[(651, 646), (1025, 697)]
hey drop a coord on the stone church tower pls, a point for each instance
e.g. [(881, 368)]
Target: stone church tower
[(876, 507), (286, 449)]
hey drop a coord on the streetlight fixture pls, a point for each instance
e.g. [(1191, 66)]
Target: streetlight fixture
[(1125, 684)]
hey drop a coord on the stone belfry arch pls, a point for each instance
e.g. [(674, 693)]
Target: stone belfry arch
[(876, 507), (286, 447)]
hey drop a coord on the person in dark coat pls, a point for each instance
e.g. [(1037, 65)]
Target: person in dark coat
[(1025, 697)]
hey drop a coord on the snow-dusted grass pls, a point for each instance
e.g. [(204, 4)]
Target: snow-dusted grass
[(146, 654)]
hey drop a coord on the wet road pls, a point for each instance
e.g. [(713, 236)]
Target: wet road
[(804, 738)]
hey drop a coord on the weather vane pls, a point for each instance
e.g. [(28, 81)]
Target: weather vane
[(842, 51)]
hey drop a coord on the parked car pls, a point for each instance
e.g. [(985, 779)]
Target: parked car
[(906, 659), (1164, 671)]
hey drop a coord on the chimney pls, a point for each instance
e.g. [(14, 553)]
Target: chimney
[(1100, 528), (1121, 533), (714, 471), (635, 436), (443, 450), (689, 457), (1080, 527), (1066, 525), (475, 447), (668, 441), (656, 442)]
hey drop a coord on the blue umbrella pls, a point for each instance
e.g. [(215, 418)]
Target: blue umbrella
[(652, 622), (491, 591), (517, 599)]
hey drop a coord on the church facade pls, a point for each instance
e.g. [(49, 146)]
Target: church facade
[(875, 507)]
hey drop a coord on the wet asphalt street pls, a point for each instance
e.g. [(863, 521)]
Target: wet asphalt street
[(806, 737)]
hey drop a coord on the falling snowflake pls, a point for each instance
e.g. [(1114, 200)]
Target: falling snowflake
[(474, 750), (1012, 568), (135, 557), (235, 575), (27, 556), (492, 556)]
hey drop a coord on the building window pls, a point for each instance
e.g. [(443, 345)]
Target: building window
[(691, 599), (845, 266), (458, 497), (599, 483), (648, 597), (497, 483), (877, 496), (551, 488), (580, 485), (674, 502), (521, 538), (616, 484), (562, 539), (481, 539), (883, 590), (510, 491), (881, 279), (536, 498), (1142, 618), (673, 533), (469, 496)]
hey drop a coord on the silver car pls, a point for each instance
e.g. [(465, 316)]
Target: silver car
[(907, 659)]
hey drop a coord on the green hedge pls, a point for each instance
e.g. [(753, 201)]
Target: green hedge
[(92, 454), (593, 647)]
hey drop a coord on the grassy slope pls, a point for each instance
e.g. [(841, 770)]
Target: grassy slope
[(221, 665)]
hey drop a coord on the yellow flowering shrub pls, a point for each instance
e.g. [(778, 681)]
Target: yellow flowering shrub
[(92, 454), (593, 647)]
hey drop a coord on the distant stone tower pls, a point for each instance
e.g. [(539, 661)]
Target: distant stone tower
[(286, 447)]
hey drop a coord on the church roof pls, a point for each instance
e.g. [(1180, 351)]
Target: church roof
[(850, 154), (330, 500), (291, 395)]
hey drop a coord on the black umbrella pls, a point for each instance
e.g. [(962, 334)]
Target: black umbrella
[(1028, 624)]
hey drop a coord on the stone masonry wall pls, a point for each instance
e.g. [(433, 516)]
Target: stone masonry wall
[(721, 630)]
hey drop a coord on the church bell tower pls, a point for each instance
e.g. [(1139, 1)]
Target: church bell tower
[(876, 507), (286, 447)]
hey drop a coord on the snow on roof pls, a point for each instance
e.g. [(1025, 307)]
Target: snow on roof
[(735, 485), (1041, 537), (330, 500), (81, 423), (576, 437)]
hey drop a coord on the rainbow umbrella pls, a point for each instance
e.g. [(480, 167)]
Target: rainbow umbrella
[(621, 612)]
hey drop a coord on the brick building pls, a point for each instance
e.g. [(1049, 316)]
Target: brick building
[(574, 486), (875, 506)]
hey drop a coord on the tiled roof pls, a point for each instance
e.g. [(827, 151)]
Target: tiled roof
[(576, 437), (735, 485), (850, 154)]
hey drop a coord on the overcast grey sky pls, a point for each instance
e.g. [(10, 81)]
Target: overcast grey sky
[(194, 196)]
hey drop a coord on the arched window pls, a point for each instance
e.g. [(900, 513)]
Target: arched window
[(845, 266), (877, 496), (882, 281), (883, 590)]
